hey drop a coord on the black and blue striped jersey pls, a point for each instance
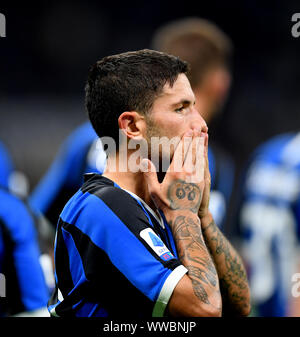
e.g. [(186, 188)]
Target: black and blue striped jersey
[(25, 289), (114, 256), (77, 155)]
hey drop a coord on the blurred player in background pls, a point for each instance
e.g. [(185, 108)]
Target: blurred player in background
[(270, 225), (6, 167), (21, 235), (208, 50), (80, 153), (11, 179)]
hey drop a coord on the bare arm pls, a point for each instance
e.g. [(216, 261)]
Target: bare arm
[(232, 275), (204, 298), (179, 197)]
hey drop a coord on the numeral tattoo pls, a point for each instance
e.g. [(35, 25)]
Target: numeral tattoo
[(184, 196)]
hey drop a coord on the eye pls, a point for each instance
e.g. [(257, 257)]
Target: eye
[(179, 110)]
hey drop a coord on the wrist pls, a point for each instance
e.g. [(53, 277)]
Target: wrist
[(172, 215), (206, 219)]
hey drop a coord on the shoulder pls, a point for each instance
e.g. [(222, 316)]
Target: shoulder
[(104, 213), (77, 144), (81, 136), (100, 199), (272, 171), (106, 190), (272, 149)]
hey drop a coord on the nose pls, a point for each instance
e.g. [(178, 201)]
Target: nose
[(198, 122)]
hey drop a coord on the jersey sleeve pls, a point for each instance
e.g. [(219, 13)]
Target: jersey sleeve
[(120, 241)]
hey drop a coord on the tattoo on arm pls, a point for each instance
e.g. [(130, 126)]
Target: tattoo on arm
[(184, 196), (200, 291), (191, 248), (193, 253), (232, 274)]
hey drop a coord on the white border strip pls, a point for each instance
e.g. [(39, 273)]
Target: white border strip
[(167, 290)]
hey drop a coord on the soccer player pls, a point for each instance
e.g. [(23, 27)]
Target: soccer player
[(270, 224), (134, 242), (208, 50), (25, 289), (26, 241), (80, 153), (15, 181)]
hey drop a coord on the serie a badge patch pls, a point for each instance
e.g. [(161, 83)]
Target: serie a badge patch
[(154, 241)]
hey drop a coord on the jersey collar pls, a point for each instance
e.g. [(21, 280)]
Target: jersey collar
[(158, 217)]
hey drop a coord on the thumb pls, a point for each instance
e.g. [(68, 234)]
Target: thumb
[(149, 170)]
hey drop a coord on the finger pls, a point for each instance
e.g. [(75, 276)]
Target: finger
[(180, 152), (190, 159), (206, 155), (200, 163), (149, 170), (206, 139)]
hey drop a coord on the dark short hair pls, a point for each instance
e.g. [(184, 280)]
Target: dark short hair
[(127, 82), (198, 41)]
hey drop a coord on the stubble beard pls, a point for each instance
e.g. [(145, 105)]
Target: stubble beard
[(155, 131)]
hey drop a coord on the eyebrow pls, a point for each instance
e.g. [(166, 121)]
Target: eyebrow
[(183, 102)]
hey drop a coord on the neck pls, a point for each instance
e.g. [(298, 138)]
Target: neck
[(130, 181)]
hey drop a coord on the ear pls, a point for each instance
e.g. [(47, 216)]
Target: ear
[(132, 124)]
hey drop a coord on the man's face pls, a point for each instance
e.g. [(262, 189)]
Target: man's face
[(173, 113)]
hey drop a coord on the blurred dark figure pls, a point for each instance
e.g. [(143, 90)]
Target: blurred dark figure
[(80, 153), (23, 286), (6, 167), (208, 50), (270, 225), (11, 179)]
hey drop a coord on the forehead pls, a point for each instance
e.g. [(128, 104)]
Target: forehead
[(180, 91)]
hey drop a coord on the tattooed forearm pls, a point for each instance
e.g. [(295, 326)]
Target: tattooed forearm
[(200, 291), (193, 253), (229, 265), (203, 275)]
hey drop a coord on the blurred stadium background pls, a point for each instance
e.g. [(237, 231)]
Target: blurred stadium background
[(50, 46)]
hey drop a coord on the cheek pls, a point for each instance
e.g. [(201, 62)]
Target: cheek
[(172, 125)]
